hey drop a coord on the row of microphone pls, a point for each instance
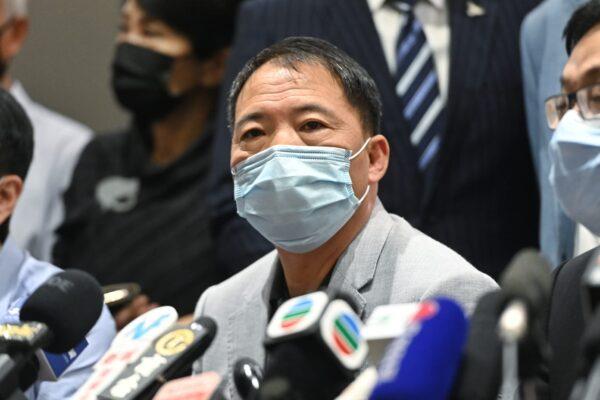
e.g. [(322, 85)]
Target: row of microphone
[(316, 346)]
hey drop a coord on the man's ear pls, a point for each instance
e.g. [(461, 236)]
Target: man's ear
[(14, 38), (379, 158), (11, 187), (212, 70)]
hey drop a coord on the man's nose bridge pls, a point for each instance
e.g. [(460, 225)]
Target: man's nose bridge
[(286, 135)]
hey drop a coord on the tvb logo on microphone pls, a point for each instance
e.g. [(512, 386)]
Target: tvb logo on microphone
[(297, 314)]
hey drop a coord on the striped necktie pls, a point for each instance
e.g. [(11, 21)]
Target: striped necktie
[(418, 88)]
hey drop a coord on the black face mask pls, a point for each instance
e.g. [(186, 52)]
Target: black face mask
[(140, 82)]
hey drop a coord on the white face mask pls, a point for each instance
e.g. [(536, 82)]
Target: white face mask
[(575, 172), (297, 197)]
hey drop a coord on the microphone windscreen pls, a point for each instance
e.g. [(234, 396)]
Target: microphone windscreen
[(69, 303), (528, 277), (422, 363), (480, 373)]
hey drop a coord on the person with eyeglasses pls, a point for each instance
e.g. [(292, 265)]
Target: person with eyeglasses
[(543, 57), (574, 154)]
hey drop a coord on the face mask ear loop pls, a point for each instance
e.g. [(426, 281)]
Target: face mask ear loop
[(360, 151), (364, 196)]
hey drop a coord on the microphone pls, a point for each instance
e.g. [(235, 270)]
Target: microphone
[(422, 363), (590, 283), (120, 294), (247, 377), (56, 318), (480, 372), (362, 386), (170, 356), (385, 324), (126, 347), (206, 386), (527, 282), (314, 348)]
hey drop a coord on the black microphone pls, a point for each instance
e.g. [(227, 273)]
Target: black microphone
[(527, 282), (590, 285), (170, 356), (314, 348), (247, 377), (55, 318), (480, 372)]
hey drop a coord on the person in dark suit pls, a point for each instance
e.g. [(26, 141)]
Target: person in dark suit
[(575, 178), (449, 76)]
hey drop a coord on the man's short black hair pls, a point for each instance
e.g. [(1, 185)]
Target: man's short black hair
[(359, 88), (582, 21), (16, 143), (209, 24)]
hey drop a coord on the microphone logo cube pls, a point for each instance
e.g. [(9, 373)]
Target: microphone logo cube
[(297, 315), (341, 330), (174, 342)]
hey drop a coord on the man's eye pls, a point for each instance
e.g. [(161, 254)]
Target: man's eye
[(251, 134), (312, 126)]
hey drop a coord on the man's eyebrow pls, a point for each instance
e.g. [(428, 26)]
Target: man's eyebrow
[(255, 116), (306, 108)]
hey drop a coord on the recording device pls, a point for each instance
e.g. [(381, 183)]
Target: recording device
[(169, 357), (590, 283), (247, 377), (422, 363), (47, 323), (362, 386), (314, 349), (118, 295), (206, 386), (127, 346), (527, 282), (480, 372), (385, 324)]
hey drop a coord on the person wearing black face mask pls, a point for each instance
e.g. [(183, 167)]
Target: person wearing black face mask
[(136, 208)]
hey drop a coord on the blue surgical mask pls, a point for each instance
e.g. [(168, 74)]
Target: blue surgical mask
[(575, 171), (297, 197)]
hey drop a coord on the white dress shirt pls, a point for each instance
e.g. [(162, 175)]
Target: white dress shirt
[(58, 142), (433, 15), (584, 240)]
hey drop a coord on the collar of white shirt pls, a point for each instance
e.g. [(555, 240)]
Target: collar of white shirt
[(375, 5)]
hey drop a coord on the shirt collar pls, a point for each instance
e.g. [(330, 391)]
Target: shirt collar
[(375, 5), (18, 92)]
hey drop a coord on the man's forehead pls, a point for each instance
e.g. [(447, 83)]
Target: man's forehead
[(584, 62), (274, 77)]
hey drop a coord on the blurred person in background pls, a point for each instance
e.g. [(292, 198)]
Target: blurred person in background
[(543, 57), (136, 209), (574, 154), (58, 144), (21, 273), (448, 72)]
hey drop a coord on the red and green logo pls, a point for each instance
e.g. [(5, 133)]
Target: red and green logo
[(346, 334), (296, 313)]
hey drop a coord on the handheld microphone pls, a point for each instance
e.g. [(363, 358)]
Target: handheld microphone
[(590, 283), (385, 324), (362, 387), (527, 282), (127, 346), (310, 340), (48, 324), (247, 377), (423, 362), (206, 386), (480, 372), (170, 356), (120, 294)]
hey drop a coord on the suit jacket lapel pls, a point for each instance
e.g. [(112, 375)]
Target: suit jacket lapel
[(357, 266), (470, 44)]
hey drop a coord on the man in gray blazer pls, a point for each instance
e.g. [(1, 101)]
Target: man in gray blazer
[(306, 160)]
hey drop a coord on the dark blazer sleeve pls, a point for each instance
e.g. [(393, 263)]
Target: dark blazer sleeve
[(237, 243)]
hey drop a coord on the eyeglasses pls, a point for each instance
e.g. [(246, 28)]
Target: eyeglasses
[(587, 98)]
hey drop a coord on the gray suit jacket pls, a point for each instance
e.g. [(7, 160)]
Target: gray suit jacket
[(388, 262)]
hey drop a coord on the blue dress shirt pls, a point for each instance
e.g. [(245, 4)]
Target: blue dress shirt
[(20, 276)]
